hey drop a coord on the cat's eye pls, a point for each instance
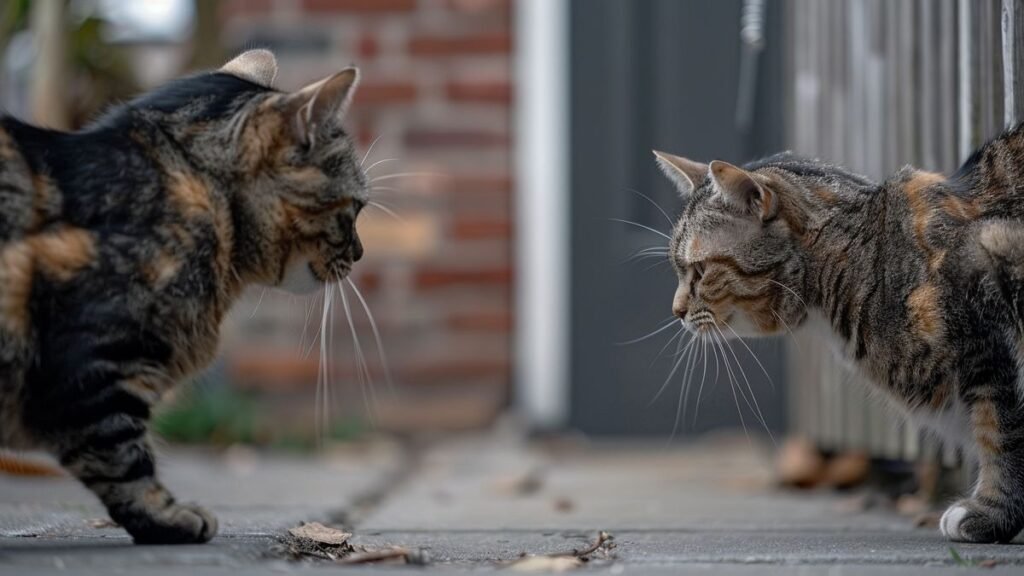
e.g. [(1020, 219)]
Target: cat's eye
[(698, 269)]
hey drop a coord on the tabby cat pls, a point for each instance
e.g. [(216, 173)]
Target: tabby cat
[(921, 278), (123, 245)]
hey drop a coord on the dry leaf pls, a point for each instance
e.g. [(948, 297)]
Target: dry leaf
[(103, 523), (321, 534), (546, 564)]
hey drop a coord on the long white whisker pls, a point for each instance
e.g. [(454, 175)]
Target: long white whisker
[(791, 291), (386, 210), (637, 224), (385, 188), (792, 336), (322, 373), (376, 334), (657, 331), (682, 330), (370, 149), (752, 355), (679, 359), (684, 386), (364, 373), (751, 402), (402, 175), (258, 302), (378, 163), (732, 383), (655, 204)]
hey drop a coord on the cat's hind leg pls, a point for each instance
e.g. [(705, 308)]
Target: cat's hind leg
[(995, 510)]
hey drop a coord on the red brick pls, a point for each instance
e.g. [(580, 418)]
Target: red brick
[(486, 184), (439, 278), (479, 6), (368, 48), (382, 93), (243, 7), (492, 43), (454, 139), (485, 321), (361, 6), (476, 228), (445, 370), (492, 92)]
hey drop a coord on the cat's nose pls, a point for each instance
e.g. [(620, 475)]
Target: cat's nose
[(680, 301), (357, 249)]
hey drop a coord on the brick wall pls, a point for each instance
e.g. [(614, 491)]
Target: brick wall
[(436, 93)]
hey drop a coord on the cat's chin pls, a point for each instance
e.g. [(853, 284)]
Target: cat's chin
[(299, 279)]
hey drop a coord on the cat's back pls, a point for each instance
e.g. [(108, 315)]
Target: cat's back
[(17, 193)]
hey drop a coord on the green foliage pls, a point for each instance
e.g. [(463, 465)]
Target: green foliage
[(215, 414), (221, 416)]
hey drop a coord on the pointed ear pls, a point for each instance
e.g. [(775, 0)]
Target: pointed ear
[(685, 174), (257, 66), (323, 102), (742, 190)]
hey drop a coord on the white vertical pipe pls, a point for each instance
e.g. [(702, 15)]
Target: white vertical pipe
[(542, 211)]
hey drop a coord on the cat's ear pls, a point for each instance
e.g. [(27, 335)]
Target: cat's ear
[(257, 66), (741, 189), (685, 174), (322, 103)]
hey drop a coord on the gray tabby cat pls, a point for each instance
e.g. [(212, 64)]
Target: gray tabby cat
[(921, 277)]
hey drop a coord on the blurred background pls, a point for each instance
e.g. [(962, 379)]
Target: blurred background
[(515, 134)]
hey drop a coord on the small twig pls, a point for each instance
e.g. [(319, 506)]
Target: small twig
[(603, 538), (371, 556)]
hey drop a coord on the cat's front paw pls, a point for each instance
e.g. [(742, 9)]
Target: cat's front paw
[(175, 524), (971, 521)]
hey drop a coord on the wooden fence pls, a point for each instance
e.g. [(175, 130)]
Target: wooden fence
[(877, 84)]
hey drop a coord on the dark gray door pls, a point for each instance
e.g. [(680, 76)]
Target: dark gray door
[(654, 74)]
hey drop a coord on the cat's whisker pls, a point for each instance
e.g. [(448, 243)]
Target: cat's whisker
[(385, 189), (680, 355), (791, 291), (322, 371), (402, 175), (657, 331), (386, 210), (750, 401), (696, 408), (752, 355), (732, 383), (684, 386), (370, 149), (655, 204), (258, 302), (792, 336), (680, 332), (703, 376), (378, 163), (639, 225), (305, 352), (376, 335), (365, 379)]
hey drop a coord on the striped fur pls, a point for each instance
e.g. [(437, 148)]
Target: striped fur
[(122, 247), (921, 278)]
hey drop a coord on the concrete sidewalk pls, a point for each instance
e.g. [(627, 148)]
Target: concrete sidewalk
[(478, 503)]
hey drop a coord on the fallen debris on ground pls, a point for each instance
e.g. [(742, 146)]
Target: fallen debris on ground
[(314, 540), (565, 561)]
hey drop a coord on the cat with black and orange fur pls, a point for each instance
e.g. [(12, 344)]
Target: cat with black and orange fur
[(921, 278), (123, 245)]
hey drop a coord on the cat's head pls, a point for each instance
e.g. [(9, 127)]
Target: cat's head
[(738, 262), (294, 175)]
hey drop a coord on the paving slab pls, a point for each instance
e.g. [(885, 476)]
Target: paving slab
[(476, 503)]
